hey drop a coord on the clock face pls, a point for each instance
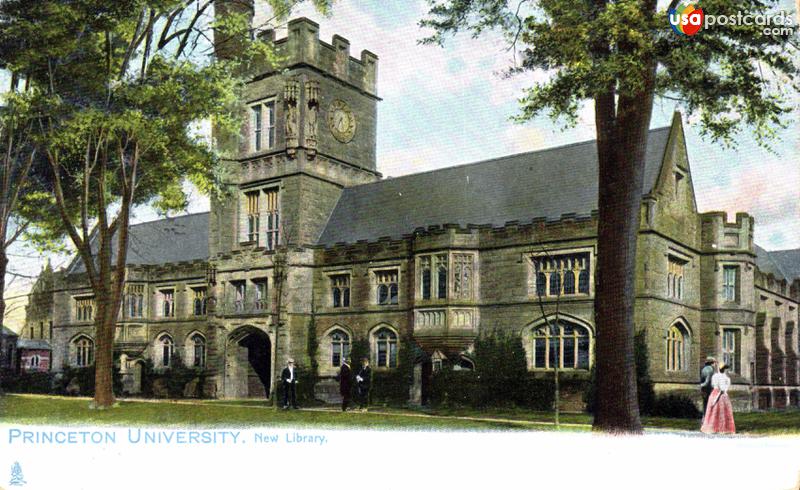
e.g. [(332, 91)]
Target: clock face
[(341, 121)]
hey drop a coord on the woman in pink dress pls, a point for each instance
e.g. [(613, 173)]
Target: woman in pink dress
[(719, 414)]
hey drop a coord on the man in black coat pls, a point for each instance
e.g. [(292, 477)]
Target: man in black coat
[(289, 380), (364, 383), (345, 383)]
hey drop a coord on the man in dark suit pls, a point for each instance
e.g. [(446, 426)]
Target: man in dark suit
[(705, 380), (364, 383), (289, 380), (345, 383)]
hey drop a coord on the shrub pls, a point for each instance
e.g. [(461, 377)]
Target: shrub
[(40, 383), (175, 377), (501, 378), (675, 406)]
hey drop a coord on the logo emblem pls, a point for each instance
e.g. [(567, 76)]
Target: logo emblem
[(17, 480), (686, 19)]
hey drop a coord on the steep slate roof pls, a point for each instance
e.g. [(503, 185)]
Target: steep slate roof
[(783, 264), (545, 183), (178, 239)]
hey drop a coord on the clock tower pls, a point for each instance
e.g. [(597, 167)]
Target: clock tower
[(309, 132)]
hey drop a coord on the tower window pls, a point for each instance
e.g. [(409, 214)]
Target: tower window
[(730, 274), (262, 121)]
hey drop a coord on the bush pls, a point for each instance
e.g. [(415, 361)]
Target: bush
[(175, 377), (40, 383), (501, 378), (675, 406)]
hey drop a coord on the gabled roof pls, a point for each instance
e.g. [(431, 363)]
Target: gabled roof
[(170, 240), (783, 264), (7, 332), (540, 184), (38, 344)]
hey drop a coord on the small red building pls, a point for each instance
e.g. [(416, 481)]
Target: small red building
[(34, 355)]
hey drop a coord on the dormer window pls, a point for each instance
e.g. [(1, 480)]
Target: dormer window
[(262, 123)]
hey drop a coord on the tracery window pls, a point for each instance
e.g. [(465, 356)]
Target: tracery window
[(340, 290), (84, 351), (385, 345), (84, 310), (463, 265), (677, 348), (273, 218), (565, 344), (135, 301), (165, 347), (554, 275), (675, 277), (199, 301), (198, 344), (340, 347), (166, 299), (386, 292)]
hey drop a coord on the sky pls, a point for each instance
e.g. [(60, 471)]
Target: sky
[(450, 105)]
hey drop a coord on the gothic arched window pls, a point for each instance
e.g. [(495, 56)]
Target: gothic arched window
[(165, 348), (84, 352), (677, 343), (340, 347), (564, 344), (385, 343)]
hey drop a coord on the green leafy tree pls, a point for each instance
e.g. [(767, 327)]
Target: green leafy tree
[(620, 56), (123, 83), (17, 157)]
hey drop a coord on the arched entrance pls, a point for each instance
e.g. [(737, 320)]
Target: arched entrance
[(138, 369), (248, 364)]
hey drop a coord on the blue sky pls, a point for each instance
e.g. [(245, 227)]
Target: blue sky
[(448, 105)]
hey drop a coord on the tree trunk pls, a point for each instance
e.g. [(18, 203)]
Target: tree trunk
[(622, 143), (105, 323), (3, 268)]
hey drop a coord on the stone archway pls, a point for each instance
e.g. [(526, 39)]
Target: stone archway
[(248, 363)]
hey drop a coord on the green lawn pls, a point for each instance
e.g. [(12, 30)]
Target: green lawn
[(68, 411), (26, 409)]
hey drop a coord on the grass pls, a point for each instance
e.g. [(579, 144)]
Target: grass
[(75, 411), (26, 409)]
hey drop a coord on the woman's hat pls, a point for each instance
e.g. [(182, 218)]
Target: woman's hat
[(710, 359)]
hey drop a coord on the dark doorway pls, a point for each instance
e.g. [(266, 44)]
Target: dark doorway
[(248, 364), (427, 372)]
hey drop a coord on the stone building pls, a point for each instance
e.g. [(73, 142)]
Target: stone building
[(311, 243)]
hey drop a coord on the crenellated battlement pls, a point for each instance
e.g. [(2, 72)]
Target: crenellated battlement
[(303, 46), (718, 234)]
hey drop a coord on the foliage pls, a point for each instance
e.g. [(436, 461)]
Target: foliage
[(393, 387), (729, 75), (174, 378), (500, 378), (84, 376), (307, 377), (675, 406), (27, 382), (122, 86)]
